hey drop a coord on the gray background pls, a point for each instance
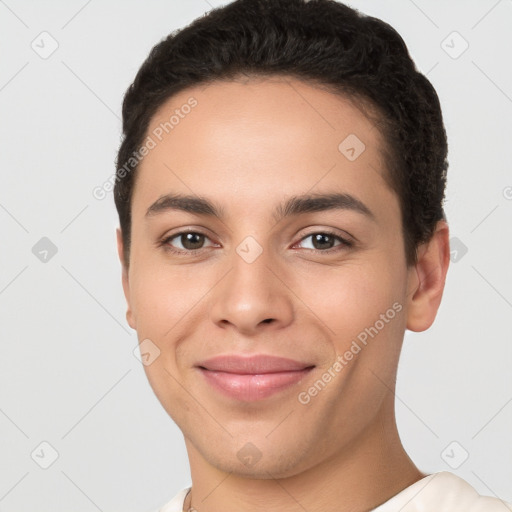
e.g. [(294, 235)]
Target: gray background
[(68, 376)]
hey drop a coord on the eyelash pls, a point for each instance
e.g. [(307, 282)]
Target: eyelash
[(344, 242)]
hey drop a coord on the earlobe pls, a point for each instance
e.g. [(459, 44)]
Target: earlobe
[(125, 282), (427, 279)]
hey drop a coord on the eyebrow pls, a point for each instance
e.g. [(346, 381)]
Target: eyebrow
[(293, 206)]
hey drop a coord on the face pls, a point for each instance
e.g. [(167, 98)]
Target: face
[(239, 269)]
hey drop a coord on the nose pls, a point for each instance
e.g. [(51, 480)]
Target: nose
[(253, 296)]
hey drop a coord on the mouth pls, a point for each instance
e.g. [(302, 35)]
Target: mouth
[(252, 378)]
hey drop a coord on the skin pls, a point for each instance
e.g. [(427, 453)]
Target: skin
[(248, 146)]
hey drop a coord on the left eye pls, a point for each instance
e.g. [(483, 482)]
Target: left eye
[(324, 241)]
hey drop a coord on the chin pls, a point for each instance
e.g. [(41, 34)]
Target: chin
[(249, 462)]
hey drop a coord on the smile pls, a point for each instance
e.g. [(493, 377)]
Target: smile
[(252, 378)]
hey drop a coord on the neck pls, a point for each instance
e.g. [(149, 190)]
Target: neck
[(361, 476)]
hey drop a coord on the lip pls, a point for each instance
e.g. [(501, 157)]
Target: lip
[(251, 378), (254, 364)]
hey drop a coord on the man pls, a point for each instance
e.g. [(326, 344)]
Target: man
[(279, 188)]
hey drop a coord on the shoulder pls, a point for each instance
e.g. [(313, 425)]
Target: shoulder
[(460, 495), (443, 492), (176, 504)]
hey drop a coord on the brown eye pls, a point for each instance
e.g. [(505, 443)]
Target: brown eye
[(324, 241), (192, 241), (186, 241)]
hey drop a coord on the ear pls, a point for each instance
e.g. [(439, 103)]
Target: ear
[(126, 284), (427, 278)]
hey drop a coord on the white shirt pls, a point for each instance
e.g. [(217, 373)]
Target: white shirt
[(439, 492)]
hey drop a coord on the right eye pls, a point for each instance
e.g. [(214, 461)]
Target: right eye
[(190, 242)]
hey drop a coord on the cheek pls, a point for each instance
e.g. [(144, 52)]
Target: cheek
[(161, 298), (350, 298), (163, 305), (170, 300)]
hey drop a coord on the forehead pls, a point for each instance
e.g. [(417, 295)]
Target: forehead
[(259, 138)]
